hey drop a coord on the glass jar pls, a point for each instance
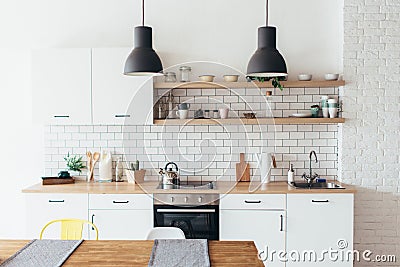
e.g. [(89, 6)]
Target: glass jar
[(185, 73), (170, 77), (215, 113)]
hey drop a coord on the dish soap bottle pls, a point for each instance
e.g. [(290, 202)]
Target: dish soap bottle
[(290, 175), (118, 171)]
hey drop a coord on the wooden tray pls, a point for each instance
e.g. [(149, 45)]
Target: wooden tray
[(57, 180)]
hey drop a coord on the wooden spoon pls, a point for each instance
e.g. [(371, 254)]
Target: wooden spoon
[(96, 157), (89, 160)]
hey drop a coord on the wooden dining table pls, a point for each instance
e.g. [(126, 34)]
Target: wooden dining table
[(137, 253)]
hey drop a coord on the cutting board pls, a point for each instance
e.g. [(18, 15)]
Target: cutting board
[(242, 170), (56, 180)]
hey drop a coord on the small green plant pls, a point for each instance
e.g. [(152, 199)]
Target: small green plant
[(276, 81), (74, 163)]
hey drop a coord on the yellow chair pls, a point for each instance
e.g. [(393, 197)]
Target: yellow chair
[(71, 229)]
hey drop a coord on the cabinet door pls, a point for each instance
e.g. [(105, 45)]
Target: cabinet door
[(61, 84), (318, 223), (117, 98), (265, 228), (122, 224), (42, 208)]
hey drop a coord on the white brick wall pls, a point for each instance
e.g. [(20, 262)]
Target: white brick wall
[(369, 140)]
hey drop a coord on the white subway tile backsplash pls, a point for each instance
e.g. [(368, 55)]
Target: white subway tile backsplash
[(57, 129), (107, 136), (71, 129), (209, 151), (78, 136)]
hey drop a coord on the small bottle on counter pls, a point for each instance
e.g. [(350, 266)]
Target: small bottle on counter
[(119, 170), (137, 165), (290, 175)]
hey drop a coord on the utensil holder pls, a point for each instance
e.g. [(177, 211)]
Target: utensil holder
[(135, 176)]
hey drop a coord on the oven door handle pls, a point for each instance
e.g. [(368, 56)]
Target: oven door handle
[(187, 210)]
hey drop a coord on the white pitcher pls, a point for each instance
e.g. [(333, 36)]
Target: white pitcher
[(265, 164), (105, 166)]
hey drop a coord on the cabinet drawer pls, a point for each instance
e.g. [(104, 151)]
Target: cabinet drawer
[(253, 201), (58, 200), (120, 201), (320, 200)]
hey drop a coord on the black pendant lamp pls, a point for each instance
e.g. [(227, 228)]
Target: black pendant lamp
[(143, 60), (267, 61)]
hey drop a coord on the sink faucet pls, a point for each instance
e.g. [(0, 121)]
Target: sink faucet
[(310, 178)]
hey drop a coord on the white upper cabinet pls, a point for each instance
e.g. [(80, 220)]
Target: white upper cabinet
[(117, 98), (61, 85)]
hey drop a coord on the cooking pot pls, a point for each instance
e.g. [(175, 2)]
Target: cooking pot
[(169, 176)]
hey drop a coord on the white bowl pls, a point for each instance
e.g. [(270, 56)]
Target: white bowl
[(331, 76), (207, 78), (231, 78), (304, 77)]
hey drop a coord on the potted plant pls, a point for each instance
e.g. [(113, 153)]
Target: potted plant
[(275, 81), (74, 163)]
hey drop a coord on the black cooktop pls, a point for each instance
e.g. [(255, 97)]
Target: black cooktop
[(189, 185)]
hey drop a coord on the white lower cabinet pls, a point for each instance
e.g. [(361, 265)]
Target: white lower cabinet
[(121, 216), (42, 208), (319, 226), (261, 218)]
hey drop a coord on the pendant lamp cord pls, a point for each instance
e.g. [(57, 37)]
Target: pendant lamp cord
[(266, 13), (142, 12)]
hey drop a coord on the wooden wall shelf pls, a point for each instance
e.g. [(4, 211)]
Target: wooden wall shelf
[(288, 84), (256, 121)]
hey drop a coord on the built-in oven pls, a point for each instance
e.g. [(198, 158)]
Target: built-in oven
[(197, 215)]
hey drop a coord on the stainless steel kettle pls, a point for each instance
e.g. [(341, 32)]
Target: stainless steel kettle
[(169, 176)]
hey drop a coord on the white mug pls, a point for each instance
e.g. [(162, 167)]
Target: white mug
[(223, 113), (182, 113), (333, 112), (325, 112)]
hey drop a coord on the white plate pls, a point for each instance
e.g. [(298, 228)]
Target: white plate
[(301, 115)]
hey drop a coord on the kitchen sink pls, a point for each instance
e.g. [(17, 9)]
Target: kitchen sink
[(328, 185)]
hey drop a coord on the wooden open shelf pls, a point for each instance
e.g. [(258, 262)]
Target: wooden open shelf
[(288, 84), (256, 121)]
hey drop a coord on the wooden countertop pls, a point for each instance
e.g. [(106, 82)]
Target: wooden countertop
[(151, 188), (137, 253)]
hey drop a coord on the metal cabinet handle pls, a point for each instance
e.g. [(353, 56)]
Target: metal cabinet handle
[(120, 202), (122, 116), (320, 201), (252, 201), (281, 223), (61, 116), (92, 221), (56, 201)]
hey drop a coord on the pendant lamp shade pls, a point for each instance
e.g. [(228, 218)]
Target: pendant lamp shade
[(267, 61), (143, 60)]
